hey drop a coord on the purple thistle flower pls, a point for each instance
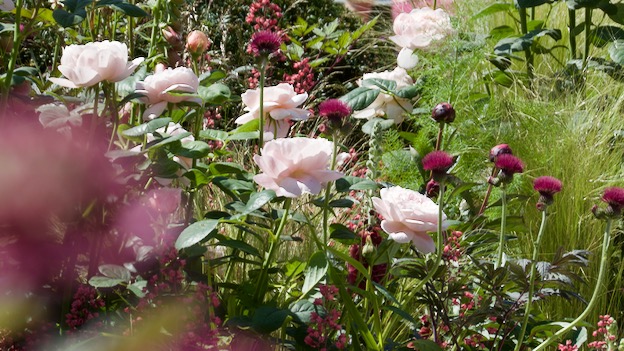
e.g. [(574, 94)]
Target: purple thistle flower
[(614, 196), (265, 43), (437, 161), (509, 164), (547, 186), (334, 110)]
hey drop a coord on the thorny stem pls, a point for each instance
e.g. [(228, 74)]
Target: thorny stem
[(601, 275), (439, 139), (527, 309)]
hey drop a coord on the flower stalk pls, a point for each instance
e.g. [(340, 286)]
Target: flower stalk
[(527, 309), (261, 107), (501, 238), (594, 299), (14, 53)]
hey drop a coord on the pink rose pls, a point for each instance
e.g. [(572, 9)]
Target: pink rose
[(280, 103), (158, 87), (419, 29), (387, 105), (408, 216), (89, 64), (292, 167)]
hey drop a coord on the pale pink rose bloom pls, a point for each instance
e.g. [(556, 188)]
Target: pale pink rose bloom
[(281, 103), (91, 63), (386, 105), (59, 117), (164, 200), (419, 29), (401, 6), (408, 217), (293, 167), (7, 5), (158, 87)]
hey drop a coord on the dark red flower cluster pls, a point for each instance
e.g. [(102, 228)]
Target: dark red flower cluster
[(264, 15), (85, 306), (303, 79), (325, 324), (452, 249)]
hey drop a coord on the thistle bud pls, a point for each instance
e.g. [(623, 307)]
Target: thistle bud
[(443, 113), (547, 187)]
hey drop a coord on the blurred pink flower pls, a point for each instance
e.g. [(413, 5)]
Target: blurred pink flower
[(60, 118), (6, 5), (408, 216), (292, 167), (280, 102), (387, 105), (88, 64), (164, 200), (158, 87)]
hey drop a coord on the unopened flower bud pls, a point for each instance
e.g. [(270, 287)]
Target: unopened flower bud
[(499, 150), (443, 113), (432, 189), (197, 43), (369, 249)]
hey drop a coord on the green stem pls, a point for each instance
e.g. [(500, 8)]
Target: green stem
[(501, 238), (572, 18), (327, 194), (14, 53), (261, 109), (527, 51), (263, 279), (601, 275), (155, 28), (439, 245), (527, 308), (588, 16)]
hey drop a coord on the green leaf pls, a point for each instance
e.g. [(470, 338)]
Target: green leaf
[(242, 246), (244, 136), (213, 134), (267, 319), (501, 32), (315, 271), (257, 200), (616, 52), (196, 232), (401, 313), (508, 46), (383, 84), (368, 127), (492, 9), (137, 288), (114, 271), (341, 233), (197, 177), (104, 282), (66, 19), (168, 140), (127, 8), (208, 78), (348, 183), (193, 149), (341, 203), (348, 259), (360, 98), (302, 310), (130, 97), (530, 3), (148, 127), (220, 168), (214, 94), (409, 92), (603, 35)]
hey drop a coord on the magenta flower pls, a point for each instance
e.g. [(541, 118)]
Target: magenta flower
[(437, 161), (509, 164), (295, 166), (334, 110), (408, 217), (265, 43), (547, 185), (614, 196)]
